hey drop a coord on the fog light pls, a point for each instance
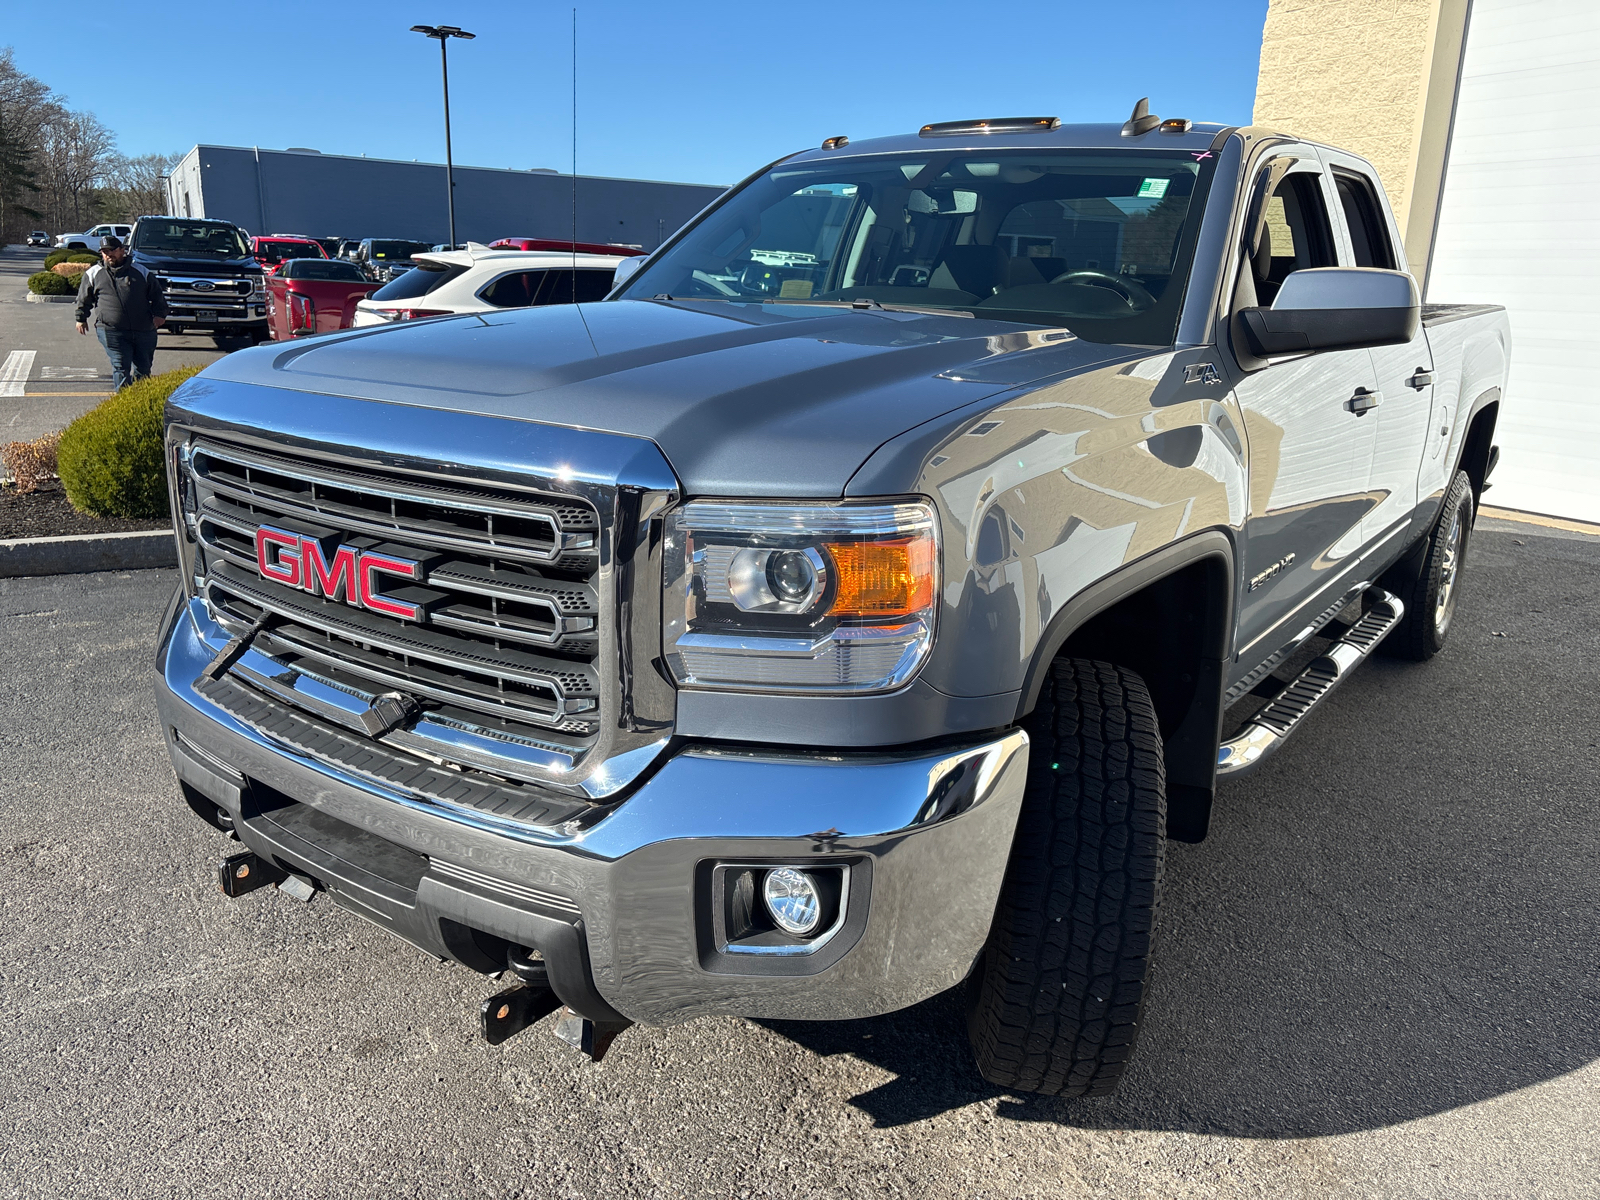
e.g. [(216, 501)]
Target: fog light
[(792, 900)]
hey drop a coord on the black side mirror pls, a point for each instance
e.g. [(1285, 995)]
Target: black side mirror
[(1336, 308)]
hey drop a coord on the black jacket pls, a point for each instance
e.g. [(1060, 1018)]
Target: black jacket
[(126, 298)]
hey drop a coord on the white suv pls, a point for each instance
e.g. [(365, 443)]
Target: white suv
[(479, 279)]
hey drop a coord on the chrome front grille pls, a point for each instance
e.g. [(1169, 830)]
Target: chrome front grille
[(510, 609)]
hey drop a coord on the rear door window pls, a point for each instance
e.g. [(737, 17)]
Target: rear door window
[(1369, 237), (518, 289), (559, 288)]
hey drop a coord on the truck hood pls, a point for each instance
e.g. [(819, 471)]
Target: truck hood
[(743, 399), (184, 264)]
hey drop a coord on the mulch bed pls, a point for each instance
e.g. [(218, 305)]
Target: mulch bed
[(46, 513)]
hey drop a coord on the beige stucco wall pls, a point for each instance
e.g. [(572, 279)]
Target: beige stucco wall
[(1376, 77)]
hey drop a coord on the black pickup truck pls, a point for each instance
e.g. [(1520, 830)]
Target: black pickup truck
[(849, 607), (212, 282)]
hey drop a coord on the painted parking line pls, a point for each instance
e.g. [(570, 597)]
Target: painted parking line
[(15, 370), (35, 395)]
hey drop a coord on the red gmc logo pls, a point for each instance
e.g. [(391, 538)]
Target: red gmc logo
[(300, 562)]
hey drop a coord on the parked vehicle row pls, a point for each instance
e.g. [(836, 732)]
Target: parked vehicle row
[(222, 280)]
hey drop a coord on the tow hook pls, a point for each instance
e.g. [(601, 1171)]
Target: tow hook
[(508, 1013), (241, 874)]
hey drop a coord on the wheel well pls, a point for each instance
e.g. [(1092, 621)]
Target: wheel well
[(1475, 450), (1174, 632)]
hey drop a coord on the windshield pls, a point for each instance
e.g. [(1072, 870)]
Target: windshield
[(189, 239), (388, 250), (1097, 241), (278, 251)]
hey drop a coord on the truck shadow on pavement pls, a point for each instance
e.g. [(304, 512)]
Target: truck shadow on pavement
[(1397, 916)]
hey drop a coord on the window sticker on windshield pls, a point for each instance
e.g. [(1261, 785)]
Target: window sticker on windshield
[(1154, 188), (795, 289)]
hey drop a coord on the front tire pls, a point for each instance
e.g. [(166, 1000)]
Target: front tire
[(1056, 1004), (1431, 587)]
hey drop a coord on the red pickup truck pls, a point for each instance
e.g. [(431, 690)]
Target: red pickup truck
[(273, 250), (314, 295)]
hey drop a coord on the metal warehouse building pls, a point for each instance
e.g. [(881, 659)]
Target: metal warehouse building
[(304, 191)]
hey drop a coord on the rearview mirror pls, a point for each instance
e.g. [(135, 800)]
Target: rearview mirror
[(626, 269), (1336, 308)]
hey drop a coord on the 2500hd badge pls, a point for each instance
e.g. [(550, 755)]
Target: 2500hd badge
[(852, 605)]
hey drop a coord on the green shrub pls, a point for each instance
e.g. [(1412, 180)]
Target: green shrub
[(48, 283), (111, 461), (61, 256)]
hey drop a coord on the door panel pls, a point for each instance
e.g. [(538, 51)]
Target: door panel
[(1404, 373), (1310, 456)]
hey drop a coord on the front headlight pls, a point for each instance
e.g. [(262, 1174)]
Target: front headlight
[(827, 597)]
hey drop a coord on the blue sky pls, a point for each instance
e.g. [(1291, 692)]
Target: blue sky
[(700, 92)]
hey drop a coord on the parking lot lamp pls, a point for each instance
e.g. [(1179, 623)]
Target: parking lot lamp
[(444, 33)]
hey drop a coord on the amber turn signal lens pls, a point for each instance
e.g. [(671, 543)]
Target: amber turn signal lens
[(882, 579)]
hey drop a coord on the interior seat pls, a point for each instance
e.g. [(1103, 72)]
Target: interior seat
[(980, 270)]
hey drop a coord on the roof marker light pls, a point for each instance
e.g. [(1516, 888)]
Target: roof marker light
[(1177, 125), (835, 143)]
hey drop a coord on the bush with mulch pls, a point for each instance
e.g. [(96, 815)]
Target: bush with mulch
[(111, 459), (48, 283)]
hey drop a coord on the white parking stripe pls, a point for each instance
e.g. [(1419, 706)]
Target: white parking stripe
[(15, 371)]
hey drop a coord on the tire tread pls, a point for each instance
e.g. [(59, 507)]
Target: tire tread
[(1058, 1001)]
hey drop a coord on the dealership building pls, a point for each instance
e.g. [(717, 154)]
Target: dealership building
[(1478, 115), (323, 195)]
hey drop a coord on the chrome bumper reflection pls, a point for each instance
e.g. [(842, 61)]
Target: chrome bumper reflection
[(936, 825)]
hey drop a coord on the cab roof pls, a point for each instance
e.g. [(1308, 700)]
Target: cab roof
[(1107, 136)]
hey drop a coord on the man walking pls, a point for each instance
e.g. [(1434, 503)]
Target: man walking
[(129, 307)]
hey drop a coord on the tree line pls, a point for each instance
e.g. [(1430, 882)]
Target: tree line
[(60, 169)]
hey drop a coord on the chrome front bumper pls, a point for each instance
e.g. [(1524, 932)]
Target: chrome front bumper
[(928, 833)]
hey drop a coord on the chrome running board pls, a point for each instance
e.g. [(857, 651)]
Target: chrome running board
[(1278, 718)]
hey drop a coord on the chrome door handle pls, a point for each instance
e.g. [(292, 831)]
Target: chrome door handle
[(1363, 401), (1420, 379)]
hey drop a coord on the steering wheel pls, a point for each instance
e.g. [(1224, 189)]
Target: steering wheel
[(1131, 291)]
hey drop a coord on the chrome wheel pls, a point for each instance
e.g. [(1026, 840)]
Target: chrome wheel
[(1449, 566)]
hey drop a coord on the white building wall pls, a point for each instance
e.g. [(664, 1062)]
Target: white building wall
[(1519, 225)]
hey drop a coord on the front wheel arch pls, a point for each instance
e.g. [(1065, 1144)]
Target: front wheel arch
[(1183, 595)]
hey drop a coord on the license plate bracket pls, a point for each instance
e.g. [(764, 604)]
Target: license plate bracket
[(205, 314)]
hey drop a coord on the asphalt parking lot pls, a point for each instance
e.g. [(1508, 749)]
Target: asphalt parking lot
[(68, 373), (1379, 977)]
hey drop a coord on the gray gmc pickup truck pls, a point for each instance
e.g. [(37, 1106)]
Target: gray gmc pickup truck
[(849, 607)]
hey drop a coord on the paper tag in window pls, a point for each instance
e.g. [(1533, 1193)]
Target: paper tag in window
[(1154, 189), (795, 289)]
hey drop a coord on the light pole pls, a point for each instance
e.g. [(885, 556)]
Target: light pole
[(443, 33)]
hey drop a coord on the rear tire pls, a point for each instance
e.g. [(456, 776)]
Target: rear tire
[(1056, 1004), (1431, 585)]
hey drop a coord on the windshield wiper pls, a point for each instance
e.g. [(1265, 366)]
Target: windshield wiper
[(866, 304)]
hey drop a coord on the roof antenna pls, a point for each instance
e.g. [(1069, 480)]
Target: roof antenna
[(574, 155), (1142, 120)]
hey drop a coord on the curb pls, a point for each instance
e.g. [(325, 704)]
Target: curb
[(35, 298), (88, 552)]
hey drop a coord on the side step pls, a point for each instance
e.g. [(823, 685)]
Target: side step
[(1277, 720)]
